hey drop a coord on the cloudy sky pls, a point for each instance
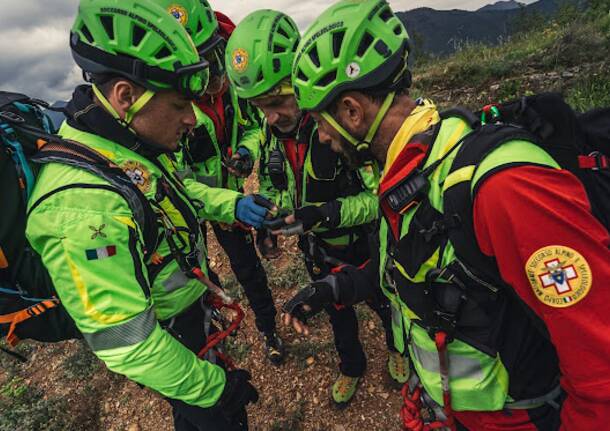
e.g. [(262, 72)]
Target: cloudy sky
[(34, 37)]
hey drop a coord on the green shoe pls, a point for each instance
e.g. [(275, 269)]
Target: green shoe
[(343, 390), (398, 369)]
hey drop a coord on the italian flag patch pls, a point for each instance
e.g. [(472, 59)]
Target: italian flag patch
[(101, 253)]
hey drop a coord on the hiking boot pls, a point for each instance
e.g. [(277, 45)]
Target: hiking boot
[(398, 369), (274, 348), (343, 390)]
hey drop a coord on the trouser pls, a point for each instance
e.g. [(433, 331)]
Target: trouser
[(343, 320), (246, 265), (188, 328)]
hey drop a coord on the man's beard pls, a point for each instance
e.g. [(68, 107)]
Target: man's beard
[(352, 157)]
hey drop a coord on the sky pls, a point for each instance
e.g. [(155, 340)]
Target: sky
[(36, 58)]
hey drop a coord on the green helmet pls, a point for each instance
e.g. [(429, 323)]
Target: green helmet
[(354, 44), (139, 40), (201, 24), (260, 52)]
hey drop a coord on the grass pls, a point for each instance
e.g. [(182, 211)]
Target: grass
[(553, 48), (23, 407), (590, 92), (236, 349)]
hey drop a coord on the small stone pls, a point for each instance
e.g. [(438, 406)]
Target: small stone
[(371, 325), (310, 360), (567, 74), (384, 395), (494, 87), (134, 427), (316, 400), (370, 389)]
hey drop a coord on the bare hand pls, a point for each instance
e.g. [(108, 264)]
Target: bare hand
[(300, 327)]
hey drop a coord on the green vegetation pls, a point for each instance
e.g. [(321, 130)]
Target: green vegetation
[(564, 46), (24, 407)]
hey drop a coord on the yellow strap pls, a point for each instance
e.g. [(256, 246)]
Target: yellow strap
[(100, 96), (459, 176), (138, 105)]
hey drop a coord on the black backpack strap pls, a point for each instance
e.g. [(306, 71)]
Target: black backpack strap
[(79, 156), (458, 198)]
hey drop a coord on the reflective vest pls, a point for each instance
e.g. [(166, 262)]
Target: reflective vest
[(490, 325)]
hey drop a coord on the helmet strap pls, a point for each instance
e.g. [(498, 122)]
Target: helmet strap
[(363, 145), (133, 109)]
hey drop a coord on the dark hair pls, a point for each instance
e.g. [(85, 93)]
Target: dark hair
[(377, 96), (106, 81)]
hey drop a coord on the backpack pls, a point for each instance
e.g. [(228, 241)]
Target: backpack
[(579, 143), (29, 306)]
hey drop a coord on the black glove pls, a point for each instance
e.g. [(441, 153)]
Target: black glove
[(316, 295), (243, 165), (237, 394), (328, 215)]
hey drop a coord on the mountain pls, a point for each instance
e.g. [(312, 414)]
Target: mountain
[(441, 32), (501, 5)]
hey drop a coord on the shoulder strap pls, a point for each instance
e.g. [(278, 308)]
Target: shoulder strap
[(82, 157), (458, 194)]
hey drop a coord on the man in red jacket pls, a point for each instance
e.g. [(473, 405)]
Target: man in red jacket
[(517, 338)]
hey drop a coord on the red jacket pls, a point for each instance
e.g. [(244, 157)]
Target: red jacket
[(519, 211)]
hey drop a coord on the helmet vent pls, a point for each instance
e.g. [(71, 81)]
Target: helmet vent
[(301, 76), (337, 42), (281, 31), (313, 56), (199, 27), (327, 79), (365, 43), (386, 14), (382, 48), (398, 30), (276, 65), (259, 77), (162, 53), (278, 49), (85, 31), (137, 35), (107, 23)]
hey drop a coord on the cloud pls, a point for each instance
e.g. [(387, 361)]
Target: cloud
[(36, 57)]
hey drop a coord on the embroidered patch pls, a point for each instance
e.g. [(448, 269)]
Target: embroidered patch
[(239, 60), (138, 174), (97, 231), (179, 13), (560, 276), (101, 253)]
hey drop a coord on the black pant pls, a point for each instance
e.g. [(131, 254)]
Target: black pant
[(246, 265), (343, 319), (188, 328)]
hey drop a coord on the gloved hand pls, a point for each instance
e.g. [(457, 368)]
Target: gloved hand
[(237, 394), (310, 300), (327, 215), (249, 212), (241, 164), (309, 215)]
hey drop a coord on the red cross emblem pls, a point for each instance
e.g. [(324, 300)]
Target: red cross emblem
[(558, 276)]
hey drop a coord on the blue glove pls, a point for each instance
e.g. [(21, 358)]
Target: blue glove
[(249, 212), (243, 152)]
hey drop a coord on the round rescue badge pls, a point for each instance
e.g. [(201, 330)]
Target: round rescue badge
[(239, 60), (138, 173), (179, 13), (560, 276)]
